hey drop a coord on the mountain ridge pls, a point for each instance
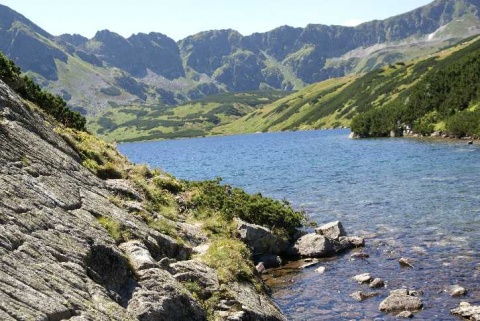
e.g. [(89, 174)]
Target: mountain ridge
[(154, 69)]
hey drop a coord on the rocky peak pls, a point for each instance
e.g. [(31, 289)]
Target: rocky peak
[(9, 17), (138, 53)]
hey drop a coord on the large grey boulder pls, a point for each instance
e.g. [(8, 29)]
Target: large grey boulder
[(327, 240), (260, 239), (467, 311), (312, 245), (401, 300)]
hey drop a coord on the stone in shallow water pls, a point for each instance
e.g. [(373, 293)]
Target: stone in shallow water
[(457, 291), (363, 278), (405, 262), (377, 283), (401, 300), (361, 296), (405, 315), (468, 311), (320, 270)]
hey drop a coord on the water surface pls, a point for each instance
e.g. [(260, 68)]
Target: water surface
[(418, 199)]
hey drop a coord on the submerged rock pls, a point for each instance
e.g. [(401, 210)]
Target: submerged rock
[(361, 296), (321, 270), (405, 315), (405, 262)]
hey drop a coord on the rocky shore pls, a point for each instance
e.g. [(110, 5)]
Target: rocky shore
[(76, 246), (70, 250)]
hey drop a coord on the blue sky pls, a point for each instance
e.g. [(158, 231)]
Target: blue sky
[(180, 18)]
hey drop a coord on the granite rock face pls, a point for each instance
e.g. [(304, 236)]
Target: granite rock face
[(56, 260)]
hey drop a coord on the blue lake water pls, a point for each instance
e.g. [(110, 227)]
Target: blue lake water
[(411, 198)]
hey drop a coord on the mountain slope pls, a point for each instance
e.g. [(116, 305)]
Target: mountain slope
[(444, 101), (334, 103), (107, 70), (195, 118)]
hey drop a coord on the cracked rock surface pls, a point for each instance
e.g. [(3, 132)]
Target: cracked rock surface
[(57, 262)]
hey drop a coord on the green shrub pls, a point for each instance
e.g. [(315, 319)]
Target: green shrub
[(463, 124), (234, 202), (28, 89)]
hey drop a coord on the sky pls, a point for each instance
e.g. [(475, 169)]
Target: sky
[(181, 18)]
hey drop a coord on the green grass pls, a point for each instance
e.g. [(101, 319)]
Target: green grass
[(197, 118), (231, 259), (118, 232)]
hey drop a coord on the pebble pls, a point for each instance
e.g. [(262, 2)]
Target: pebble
[(320, 270), (405, 315)]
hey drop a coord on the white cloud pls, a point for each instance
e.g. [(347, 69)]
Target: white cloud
[(352, 22)]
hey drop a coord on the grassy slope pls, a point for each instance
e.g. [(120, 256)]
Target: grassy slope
[(196, 118), (333, 103)]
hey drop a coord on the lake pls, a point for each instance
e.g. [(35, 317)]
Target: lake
[(412, 198)]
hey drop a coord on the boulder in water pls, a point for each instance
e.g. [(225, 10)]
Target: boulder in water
[(401, 300)]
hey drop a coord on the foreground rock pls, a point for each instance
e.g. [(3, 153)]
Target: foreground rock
[(401, 300), (327, 240), (249, 305), (467, 311), (59, 262)]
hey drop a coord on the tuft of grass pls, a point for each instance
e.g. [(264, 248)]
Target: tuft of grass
[(109, 171), (165, 227), (231, 258), (118, 232)]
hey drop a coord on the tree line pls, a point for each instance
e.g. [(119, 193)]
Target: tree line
[(447, 95)]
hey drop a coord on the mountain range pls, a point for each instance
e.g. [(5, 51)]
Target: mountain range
[(109, 70)]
